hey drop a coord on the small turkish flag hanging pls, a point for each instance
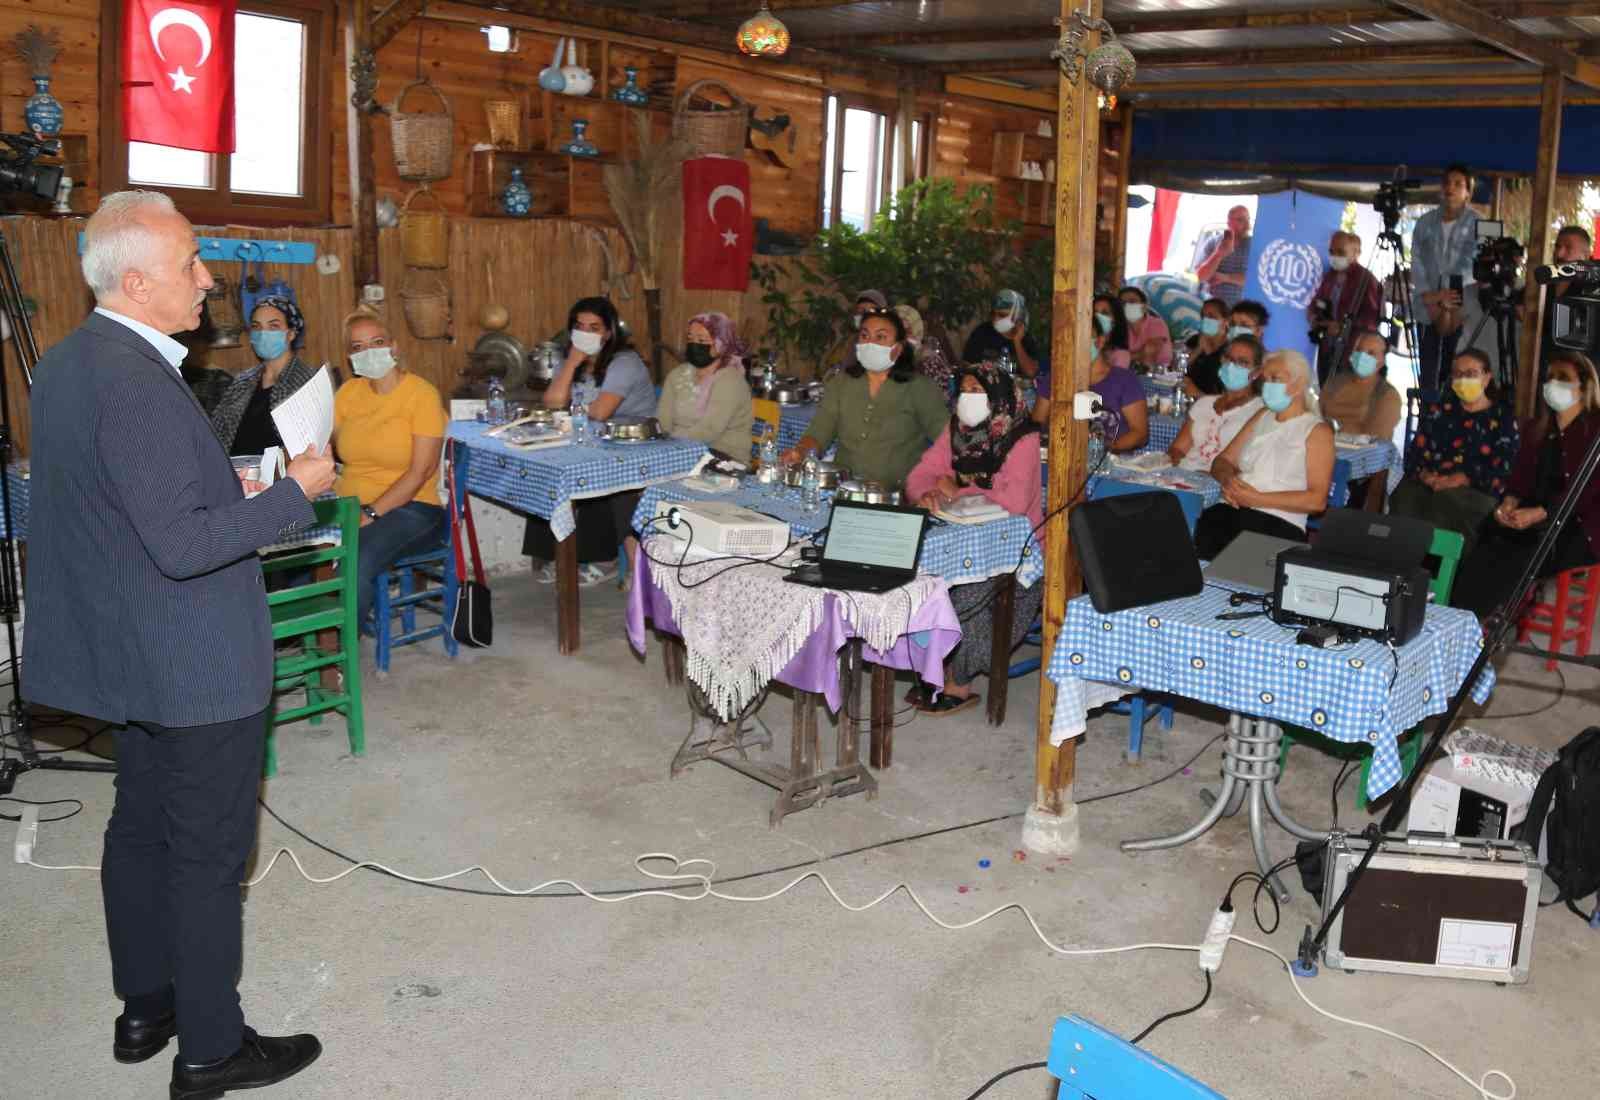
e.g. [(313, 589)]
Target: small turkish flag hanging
[(177, 71), (718, 236)]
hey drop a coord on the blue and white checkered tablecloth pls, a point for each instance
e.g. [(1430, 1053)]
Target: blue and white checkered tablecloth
[(960, 553), (545, 482), (1374, 458), (1254, 667), (1159, 387), (1178, 480), (1163, 431), (793, 420)]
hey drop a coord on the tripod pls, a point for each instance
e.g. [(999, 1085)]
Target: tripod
[(1401, 312), (15, 314), (1501, 310)]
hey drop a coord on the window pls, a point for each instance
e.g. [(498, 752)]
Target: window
[(279, 170), (862, 166), (501, 39)]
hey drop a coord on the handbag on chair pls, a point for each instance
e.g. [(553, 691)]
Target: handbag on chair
[(473, 622)]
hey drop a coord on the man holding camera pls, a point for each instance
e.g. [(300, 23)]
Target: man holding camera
[(1348, 300), (1573, 244), (1442, 248)]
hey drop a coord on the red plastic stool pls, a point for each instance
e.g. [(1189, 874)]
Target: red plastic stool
[(1571, 617)]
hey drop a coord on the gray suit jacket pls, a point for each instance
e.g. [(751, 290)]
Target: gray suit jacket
[(145, 598)]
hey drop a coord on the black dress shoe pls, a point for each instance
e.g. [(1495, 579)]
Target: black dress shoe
[(260, 1060), (138, 1038)]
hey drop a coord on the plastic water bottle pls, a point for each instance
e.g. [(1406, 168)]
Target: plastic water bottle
[(810, 481), (580, 418), (1004, 361), (495, 407), (769, 448)]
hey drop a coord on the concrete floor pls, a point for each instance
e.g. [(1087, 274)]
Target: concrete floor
[(539, 766)]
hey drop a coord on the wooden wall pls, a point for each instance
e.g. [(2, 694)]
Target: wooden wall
[(75, 76)]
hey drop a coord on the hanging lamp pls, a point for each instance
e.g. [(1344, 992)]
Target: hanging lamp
[(763, 34)]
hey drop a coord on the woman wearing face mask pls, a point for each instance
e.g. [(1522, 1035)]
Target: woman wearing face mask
[(1466, 444), (1149, 340), (1125, 419), (706, 397), (388, 429), (933, 358), (881, 412), (866, 302), (1277, 470), (242, 418), (1553, 448), (604, 372), (1214, 421), (1360, 398), (1206, 348), (1112, 323), (986, 449), (1006, 331)]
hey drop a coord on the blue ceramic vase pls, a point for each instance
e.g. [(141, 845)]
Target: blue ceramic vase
[(580, 146), (43, 112), (516, 198), (630, 92)]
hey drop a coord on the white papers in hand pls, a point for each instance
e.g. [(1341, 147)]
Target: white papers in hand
[(306, 419)]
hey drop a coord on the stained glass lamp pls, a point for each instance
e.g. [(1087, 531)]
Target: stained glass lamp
[(763, 34)]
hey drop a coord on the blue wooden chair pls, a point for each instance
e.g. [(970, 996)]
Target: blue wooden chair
[(423, 581), (1093, 1063)]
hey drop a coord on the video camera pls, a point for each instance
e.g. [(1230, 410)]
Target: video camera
[(1576, 321), (18, 172), (1391, 199), (1497, 264)]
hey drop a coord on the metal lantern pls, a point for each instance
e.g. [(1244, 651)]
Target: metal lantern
[(763, 34), (1110, 67)]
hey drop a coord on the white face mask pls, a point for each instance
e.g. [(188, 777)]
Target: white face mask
[(972, 409), (875, 357), (1560, 396), (1133, 311), (587, 342), (373, 363), (1004, 325), (1338, 263)]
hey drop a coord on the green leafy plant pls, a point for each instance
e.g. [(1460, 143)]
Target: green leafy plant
[(1031, 273)]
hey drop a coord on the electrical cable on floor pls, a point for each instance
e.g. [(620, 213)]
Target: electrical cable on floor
[(1561, 691), (49, 802), (1159, 1020), (1003, 1074)]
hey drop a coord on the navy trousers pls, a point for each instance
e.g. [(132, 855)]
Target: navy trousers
[(409, 529)]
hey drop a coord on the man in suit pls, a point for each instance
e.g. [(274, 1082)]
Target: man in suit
[(147, 610)]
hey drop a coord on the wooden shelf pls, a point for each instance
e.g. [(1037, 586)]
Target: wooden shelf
[(1012, 147), (561, 186)]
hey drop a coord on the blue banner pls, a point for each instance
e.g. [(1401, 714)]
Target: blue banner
[(1288, 254)]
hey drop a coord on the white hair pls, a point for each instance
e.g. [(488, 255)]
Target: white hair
[(1301, 367), (118, 239)]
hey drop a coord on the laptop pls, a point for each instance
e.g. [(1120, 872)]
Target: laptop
[(1249, 561), (1397, 543), (870, 548)]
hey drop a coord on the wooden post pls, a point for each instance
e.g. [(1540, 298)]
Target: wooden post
[(1498, 202), (906, 115), (1051, 823), (1539, 240), (1119, 217), (358, 120)]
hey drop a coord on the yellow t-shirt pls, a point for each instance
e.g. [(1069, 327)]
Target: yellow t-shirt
[(372, 433)]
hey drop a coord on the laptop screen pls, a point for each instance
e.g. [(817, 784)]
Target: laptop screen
[(864, 535)]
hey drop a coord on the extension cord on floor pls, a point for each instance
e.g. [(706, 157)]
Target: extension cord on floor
[(27, 835), (1216, 941)]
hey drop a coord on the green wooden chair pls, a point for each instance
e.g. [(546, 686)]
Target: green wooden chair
[(1446, 547), (308, 609)]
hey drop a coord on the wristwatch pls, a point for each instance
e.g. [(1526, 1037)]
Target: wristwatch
[(369, 511)]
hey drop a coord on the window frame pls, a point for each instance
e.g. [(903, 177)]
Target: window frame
[(831, 191), (219, 205)]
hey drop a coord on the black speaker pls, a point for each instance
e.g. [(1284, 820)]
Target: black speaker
[(1134, 549)]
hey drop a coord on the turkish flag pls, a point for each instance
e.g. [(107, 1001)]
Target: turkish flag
[(718, 235), (177, 72)]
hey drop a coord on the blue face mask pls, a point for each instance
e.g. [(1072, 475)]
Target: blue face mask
[(1104, 321), (1364, 363), (269, 343), (1236, 331), (1275, 395), (1210, 326), (1234, 376)]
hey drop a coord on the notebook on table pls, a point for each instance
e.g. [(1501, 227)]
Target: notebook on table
[(870, 548)]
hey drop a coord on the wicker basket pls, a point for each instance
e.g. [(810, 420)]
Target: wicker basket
[(505, 122), (711, 133), (425, 301), (423, 141), (424, 234)]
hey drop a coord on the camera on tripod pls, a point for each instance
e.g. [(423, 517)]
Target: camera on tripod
[(1575, 323), (19, 173), (1497, 264), (1391, 199)]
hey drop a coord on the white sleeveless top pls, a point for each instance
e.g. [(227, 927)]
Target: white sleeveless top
[(1274, 459), (1210, 432)]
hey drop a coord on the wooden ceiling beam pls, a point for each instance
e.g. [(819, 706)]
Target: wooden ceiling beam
[(1236, 59), (1529, 99), (1496, 32), (1167, 87), (700, 9), (388, 22)]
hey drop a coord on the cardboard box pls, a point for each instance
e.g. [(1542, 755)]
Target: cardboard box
[(1497, 760), (1464, 803)]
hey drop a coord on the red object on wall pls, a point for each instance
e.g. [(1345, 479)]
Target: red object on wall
[(1162, 221), (718, 234), (177, 72)]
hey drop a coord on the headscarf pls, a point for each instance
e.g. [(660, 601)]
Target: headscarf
[(1013, 302), (291, 314), (913, 323), (876, 297), (976, 454), (725, 344)]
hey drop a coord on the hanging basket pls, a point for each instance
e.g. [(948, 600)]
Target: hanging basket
[(423, 140), (424, 234), (505, 122), (425, 301), (718, 132)]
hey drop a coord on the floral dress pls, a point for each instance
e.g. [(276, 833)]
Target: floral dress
[(1483, 445)]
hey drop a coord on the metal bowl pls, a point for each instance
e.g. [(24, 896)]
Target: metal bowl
[(829, 475), (540, 415), (868, 492), (630, 429), (790, 393)]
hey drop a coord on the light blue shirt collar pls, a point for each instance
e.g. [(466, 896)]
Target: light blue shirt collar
[(170, 350)]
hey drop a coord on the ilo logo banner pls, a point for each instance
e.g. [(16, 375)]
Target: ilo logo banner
[(1289, 258)]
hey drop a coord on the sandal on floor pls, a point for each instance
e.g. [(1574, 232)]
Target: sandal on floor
[(919, 694), (949, 704)]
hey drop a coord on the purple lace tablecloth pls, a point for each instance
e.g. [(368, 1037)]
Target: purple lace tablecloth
[(930, 632)]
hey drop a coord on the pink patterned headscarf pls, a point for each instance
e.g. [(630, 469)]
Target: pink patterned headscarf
[(725, 345)]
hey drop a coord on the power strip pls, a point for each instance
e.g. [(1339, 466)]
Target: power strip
[(27, 834), (1216, 940)]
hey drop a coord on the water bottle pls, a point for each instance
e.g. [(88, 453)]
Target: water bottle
[(580, 418), (495, 407), (769, 370), (1004, 361), (810, 480), (769, 448)]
